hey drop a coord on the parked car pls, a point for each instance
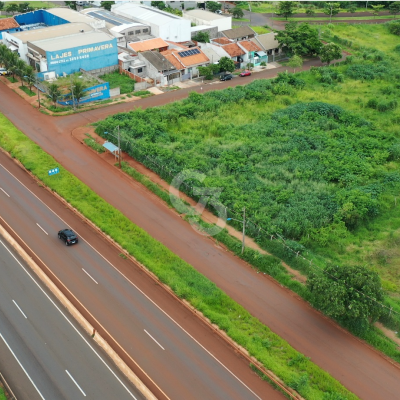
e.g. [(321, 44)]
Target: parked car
[(218, 12), (4, 72), (245, 73), (226, 77), (68, 236)]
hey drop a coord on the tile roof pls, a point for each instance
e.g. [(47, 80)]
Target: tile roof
[(180, 62), (222, 40), (150, 44), (238, 32), (8, 23), (233, 50), (250, 46)]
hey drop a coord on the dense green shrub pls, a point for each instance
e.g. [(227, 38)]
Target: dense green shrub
[(368, 71), (394, 27)]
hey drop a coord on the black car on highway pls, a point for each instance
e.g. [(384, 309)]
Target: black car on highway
[(68, 236)]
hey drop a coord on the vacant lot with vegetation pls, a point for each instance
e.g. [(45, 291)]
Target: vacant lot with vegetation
[(312, 156), (126, 84)]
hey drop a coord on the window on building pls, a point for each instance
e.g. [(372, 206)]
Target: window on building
[(145, 30), (139, 70), (276, 51), (130, 33), (137, 32)]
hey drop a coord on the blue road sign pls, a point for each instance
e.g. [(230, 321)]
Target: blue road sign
[(54, 171)]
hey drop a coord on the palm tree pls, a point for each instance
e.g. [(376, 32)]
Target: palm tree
[(11, 63), (30, 76), (54, 92), (78, 91), (21, 70), (3, 53)]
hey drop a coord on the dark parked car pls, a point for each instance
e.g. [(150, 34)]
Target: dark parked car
[(226, 77), (245, 73), (68, 236)]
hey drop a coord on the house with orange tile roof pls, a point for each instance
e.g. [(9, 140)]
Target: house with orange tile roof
[(149, 45), (8, 25), (254, 53), (186, 60)]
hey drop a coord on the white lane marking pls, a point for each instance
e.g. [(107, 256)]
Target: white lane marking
[(4, 192), (90, 276), (42, 229), (9, 348), (20, 309), (138, 289), (73, 326), (154, 339), (73, 380)]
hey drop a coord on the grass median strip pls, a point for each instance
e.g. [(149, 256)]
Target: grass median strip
[(273, 352)]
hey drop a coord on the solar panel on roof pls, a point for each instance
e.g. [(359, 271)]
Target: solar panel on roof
[(189, 52)]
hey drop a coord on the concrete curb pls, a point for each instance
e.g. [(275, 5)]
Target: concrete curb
[(78, 317)]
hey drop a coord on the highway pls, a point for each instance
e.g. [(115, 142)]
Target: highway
[(180, 366), (43, 353)]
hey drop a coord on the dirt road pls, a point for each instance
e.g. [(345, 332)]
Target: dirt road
[(360, 368)]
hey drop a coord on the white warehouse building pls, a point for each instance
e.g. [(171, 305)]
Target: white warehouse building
[(163, 25)]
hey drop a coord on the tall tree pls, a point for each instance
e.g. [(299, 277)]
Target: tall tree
[(330, 52), (347, 293), (394, 8), (226, 64), (295, 62), (1, 5), (12, 8), (213, 6), (286, 8), (301, 39), (21, 69), (331, 9), (24, 7), (30, 76)]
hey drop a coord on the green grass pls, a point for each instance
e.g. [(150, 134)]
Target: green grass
[(185, 281), (91, 142), (240, 20), (143, 93), (27, 91), (2, 394), (11, 79), (124, 82), (260, 29), (334, 19)]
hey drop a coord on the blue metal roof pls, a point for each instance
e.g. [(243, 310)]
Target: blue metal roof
[(111, 147)]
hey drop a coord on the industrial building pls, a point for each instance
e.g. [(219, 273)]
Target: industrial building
[(61, 41), (164, 25)]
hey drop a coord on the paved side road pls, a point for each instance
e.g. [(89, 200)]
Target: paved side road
[(43, 353)]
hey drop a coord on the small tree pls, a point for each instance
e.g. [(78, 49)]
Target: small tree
[(12, 8), (71, 4), (352, 8), (203, 37), (107, 4), (237, 12), (394, 8), (286, 8), (295, 62), (159, 4), (226, 64), (21, 70), (330, 52), (213, 6), (1, 5), (331, 9), (78, 91), (310, 12), (394, 27), (209, 71), (54, 92), (349, 294), (377, 9), (24, 7)]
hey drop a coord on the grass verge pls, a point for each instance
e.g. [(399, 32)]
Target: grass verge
[(272, 351), (91, 142), (27, 91)]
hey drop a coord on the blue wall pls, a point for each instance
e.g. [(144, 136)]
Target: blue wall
[(94, 93), (99, 55), (35, 17), (9, 30)]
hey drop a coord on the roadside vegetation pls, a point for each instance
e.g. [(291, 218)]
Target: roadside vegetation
[(274, 353), (124, 82), (313, 158)]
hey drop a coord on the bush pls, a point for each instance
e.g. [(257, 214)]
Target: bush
[(368, 71), (394, 27)]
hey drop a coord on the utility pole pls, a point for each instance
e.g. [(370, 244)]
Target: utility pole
[(119, 148), (244, 227), (250, 13), (72, 93)]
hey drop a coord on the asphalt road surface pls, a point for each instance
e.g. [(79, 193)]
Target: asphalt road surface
[(43, 353), (180, 366), (359, 367)]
